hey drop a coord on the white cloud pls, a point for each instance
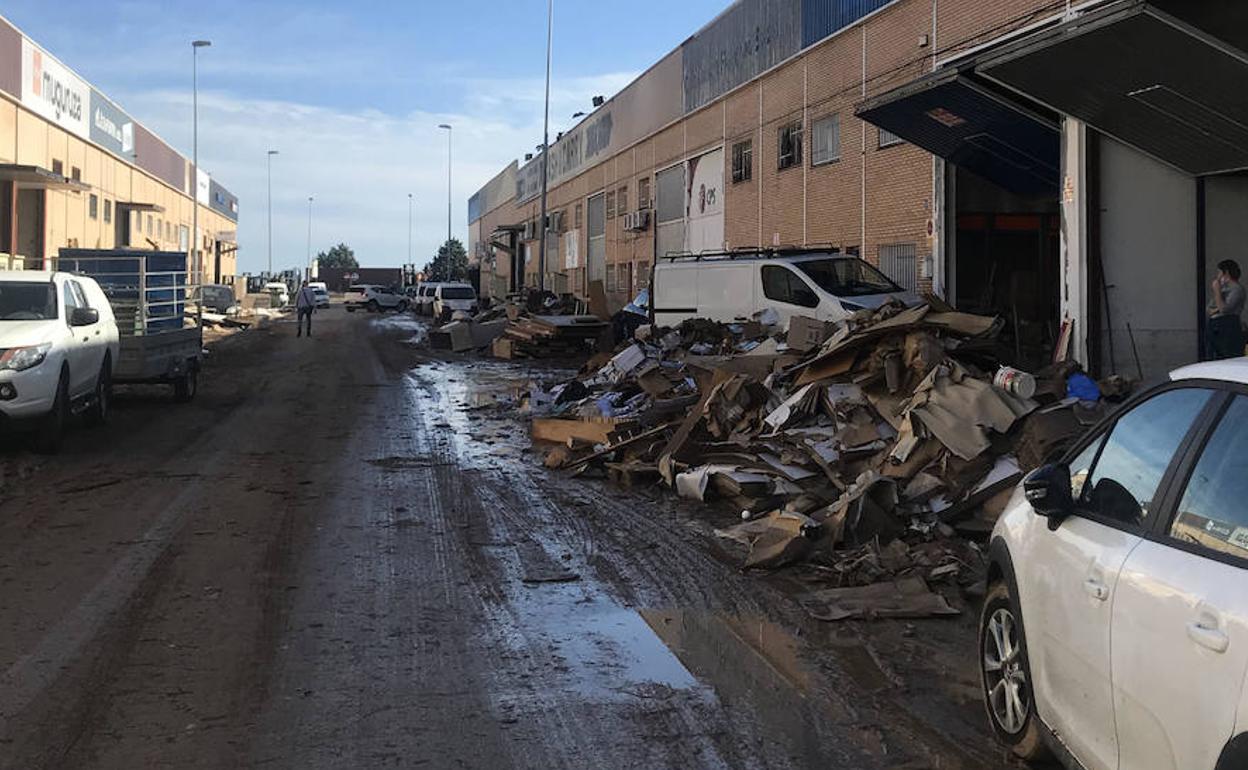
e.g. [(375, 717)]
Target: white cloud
[(359, 166)]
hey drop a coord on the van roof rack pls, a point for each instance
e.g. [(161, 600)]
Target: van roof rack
[(751, 252)]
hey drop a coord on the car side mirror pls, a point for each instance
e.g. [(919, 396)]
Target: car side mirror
[(1048, 490), (84, 316)]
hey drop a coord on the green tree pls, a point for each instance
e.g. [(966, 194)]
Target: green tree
[(451, 263), (340, 256)]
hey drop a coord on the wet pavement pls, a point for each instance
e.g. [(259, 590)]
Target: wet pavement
[(357, 560)]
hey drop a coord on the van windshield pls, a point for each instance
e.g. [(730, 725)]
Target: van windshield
[(847, 277), (458, 292), (27, 301)]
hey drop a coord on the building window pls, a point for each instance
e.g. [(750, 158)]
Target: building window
[(621, 199), (610, 204), (643, 193), (108, 211), (611, 282), (889, 139), (580, 212), (57, 167), (825, 140), (168, 231), (742, 161), (790, 149), (150, 221), (93, 206), (75, 174)]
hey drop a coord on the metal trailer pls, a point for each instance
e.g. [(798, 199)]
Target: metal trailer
[(156, 302)]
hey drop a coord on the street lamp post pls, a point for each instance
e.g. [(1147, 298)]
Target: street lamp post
[(197, 258), (309, 237), (269, 157), (448, 180), (409, 228), (541, 248)]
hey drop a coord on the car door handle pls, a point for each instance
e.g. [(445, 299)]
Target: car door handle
[(1096, 589), (1209, 638)]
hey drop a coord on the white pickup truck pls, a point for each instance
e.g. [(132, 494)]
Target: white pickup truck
[(58, 347)]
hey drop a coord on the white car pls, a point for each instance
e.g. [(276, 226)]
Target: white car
[(423, 300), (279, 294), (1115, 629), (322, 296), (58, 346), (374, 299), (450, 297)]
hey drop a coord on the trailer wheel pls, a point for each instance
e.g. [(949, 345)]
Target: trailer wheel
[(185, 388)]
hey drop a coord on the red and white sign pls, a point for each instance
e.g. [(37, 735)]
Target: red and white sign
[(49, 89)]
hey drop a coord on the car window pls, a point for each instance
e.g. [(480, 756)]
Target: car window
[(1134, 457), (1214, 510), (847, 277), (79, 295), (27, 301), (783, 285), (70, 300), (458, 292)]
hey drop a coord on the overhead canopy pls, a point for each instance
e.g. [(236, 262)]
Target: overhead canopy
[(141, 206), (37, 177), (1226, 20), (955, 118), (1141, 76)]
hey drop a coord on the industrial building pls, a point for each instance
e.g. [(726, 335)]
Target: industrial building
[(76, 171), (1036, 159)]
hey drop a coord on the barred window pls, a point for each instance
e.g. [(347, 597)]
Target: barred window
[(742, 161), (643, 193), (889, 139)]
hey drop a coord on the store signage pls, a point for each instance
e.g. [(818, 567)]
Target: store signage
[(202, 185), (111, 128), (49, 89), (569, 155)]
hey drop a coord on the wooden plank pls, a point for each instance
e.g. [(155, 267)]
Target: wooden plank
[(559, 430)]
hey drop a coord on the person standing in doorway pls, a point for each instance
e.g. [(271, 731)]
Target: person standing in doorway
[(1226, 331), (305, 306)]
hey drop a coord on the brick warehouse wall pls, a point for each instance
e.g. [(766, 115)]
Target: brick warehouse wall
[(867, 198)]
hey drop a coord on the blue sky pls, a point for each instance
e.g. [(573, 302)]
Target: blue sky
[(351, 96)]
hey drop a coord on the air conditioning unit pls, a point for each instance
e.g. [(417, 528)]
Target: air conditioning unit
[(637, 221)]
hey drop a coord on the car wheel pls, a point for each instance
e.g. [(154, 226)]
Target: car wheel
[(350, 308), (373, 307), (1006, 676), (185, 388), (98, 413), (402, 307), (52, 430)]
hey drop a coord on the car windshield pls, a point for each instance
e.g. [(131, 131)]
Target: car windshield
[(458, 292), (33, 301), (319, 292), (847, 277)]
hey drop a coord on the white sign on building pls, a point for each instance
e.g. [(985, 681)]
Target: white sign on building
[(572, 249), (49, 89), (202, 186), (704, 203)]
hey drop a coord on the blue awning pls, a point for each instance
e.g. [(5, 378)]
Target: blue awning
[(994, 137)]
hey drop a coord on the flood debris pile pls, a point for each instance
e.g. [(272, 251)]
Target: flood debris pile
[(510, 331), (873, 453)]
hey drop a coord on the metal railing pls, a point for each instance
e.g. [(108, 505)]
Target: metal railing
[(144, 302)]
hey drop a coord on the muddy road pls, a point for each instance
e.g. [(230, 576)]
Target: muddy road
[(341, 555)]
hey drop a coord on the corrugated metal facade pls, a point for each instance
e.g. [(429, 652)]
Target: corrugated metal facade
[(821, 18), (749, 38)]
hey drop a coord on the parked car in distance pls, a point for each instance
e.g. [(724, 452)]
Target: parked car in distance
[(278, 293), (425, 292), (1115, 628), (58, 346), (218, 298), (374, 299), (825, 285), (450, 297)]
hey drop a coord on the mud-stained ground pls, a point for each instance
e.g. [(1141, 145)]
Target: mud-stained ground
[(344, 554)]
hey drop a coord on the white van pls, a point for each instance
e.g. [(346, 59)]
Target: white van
[(829, 286), (450, 297)]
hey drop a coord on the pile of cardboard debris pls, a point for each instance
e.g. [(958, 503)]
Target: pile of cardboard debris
[(509, 331), (874, 452)]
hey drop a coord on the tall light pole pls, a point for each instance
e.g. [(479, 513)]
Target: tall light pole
[(541, 248), (409, 228), (269, 157), (447, 126), (309, 237), (197, 258)]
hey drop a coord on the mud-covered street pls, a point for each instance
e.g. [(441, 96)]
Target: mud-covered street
[(342, 554)]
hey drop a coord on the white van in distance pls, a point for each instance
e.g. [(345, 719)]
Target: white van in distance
[(825, 285)]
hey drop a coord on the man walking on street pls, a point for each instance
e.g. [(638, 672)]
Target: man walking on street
[(1226, 334), (305, 306)]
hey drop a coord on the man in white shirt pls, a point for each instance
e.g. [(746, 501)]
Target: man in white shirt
[(305, 306)]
